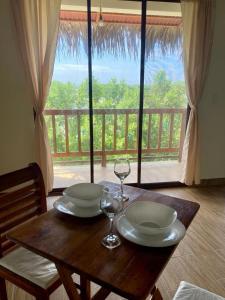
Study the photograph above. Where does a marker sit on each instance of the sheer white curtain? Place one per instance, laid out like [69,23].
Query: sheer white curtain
[198,23]
[37,23]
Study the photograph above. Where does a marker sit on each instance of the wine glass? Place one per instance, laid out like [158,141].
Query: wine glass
[122,170]
[111,204]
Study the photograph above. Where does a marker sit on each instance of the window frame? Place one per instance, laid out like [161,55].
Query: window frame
[58,191]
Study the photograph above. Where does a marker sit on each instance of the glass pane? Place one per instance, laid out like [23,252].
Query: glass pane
[68,102]
[116,75]
[165,99]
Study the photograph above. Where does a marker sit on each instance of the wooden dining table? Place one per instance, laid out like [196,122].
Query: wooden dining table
[74,245]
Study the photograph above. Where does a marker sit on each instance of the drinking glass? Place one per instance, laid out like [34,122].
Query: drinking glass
[122,170]
[111,204]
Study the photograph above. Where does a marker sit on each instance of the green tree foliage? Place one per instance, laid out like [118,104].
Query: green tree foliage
[164,93]
[62,96]
[160,93]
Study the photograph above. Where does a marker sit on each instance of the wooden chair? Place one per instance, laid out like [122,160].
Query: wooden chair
[22,197]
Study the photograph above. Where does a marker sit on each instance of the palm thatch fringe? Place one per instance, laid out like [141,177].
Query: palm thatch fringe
[118,39]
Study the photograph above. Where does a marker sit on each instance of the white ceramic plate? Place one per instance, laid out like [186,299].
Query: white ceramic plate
[176,233]
[65,205]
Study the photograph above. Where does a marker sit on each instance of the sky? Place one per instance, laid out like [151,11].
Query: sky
[71,69]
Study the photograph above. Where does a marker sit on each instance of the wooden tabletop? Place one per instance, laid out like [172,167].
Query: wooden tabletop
[129,270]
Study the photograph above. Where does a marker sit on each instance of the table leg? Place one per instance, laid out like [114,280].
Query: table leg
[157,295]
[69,285]
[85,288]
[3,292]
[101,294]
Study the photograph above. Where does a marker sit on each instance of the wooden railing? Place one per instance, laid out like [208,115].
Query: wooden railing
[168,114]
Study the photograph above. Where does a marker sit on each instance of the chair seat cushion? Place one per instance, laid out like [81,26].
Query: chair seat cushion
[31,266]
[188,291]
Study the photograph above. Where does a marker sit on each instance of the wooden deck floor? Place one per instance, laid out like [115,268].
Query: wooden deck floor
[200,257]
[66,175]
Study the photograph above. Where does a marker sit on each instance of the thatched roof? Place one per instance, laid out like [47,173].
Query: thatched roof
[120,34]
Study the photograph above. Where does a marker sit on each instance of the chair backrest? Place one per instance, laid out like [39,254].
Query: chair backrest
[22,197]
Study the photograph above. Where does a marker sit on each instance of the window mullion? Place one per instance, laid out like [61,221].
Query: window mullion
[90,91]
[142,78]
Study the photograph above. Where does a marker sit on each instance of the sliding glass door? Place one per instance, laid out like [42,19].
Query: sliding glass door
[165,102]
[67,109]
[116,85]
[117,91]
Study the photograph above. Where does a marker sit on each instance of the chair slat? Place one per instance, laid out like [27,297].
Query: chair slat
[7,245]
[16,197]
[19,209]
[3,238]
[15,178]
[19,219]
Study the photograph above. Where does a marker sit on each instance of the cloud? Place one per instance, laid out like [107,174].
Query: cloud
[81,68]
[123,69]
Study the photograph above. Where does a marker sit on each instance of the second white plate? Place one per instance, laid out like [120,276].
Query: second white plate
[173,237]
[65,205]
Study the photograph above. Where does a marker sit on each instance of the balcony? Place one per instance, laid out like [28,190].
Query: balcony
[115,135]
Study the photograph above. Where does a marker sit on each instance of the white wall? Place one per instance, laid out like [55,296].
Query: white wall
[16,117]
[212,107]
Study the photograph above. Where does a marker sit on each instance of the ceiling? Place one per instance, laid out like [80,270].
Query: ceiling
[126,7]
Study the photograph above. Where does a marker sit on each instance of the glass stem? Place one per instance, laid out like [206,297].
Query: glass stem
[121,186]
[111,226]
